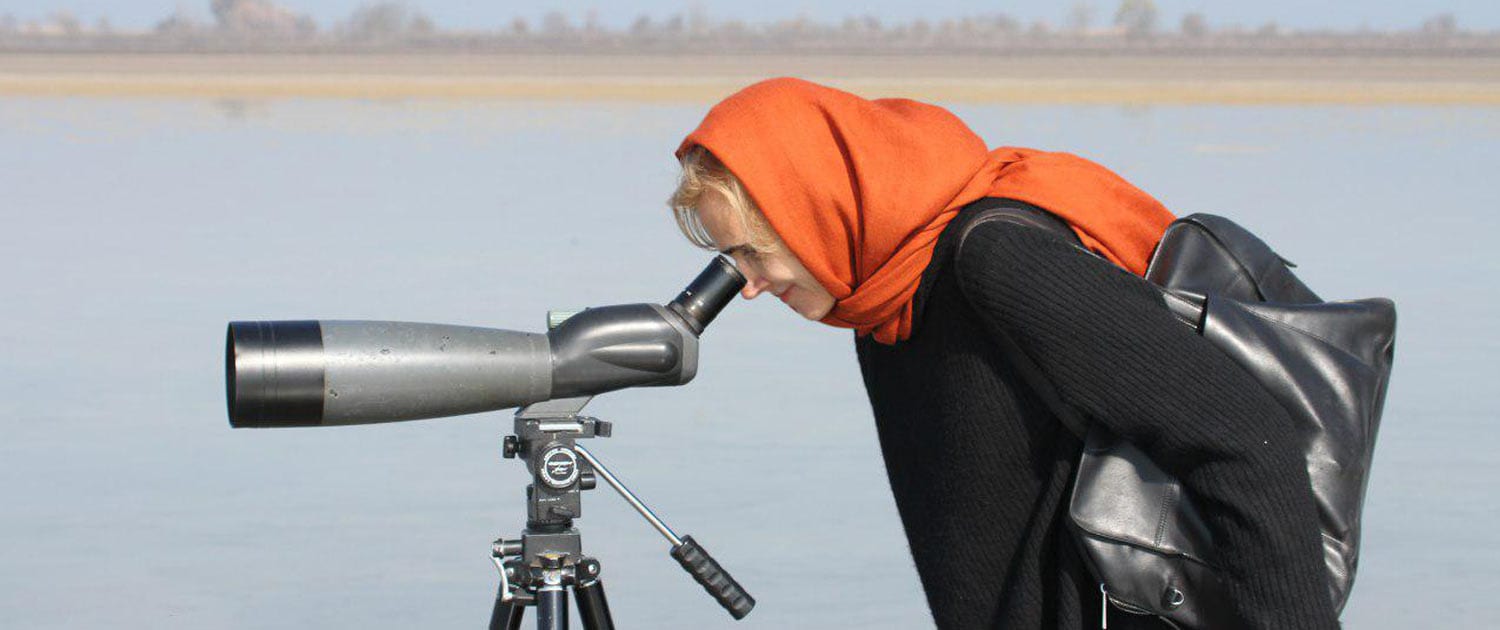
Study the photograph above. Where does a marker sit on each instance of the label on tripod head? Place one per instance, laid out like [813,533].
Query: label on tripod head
[559,467]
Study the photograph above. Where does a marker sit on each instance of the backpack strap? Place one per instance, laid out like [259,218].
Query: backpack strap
[1019,213]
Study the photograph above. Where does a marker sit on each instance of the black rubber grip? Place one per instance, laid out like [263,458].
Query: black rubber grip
[713,577]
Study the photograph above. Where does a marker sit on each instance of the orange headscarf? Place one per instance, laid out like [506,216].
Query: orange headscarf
[860,189]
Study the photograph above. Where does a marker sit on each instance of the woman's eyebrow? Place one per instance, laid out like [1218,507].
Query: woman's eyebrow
[731,250]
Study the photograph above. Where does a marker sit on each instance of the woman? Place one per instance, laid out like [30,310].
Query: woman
[849,211]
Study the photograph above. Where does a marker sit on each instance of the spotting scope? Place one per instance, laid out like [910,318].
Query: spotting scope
[326,372]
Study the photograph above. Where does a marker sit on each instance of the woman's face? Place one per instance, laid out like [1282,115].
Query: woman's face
[777,271]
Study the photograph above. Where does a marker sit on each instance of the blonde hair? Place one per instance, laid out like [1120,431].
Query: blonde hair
[703,173]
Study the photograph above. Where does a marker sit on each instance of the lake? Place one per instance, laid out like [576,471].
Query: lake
[135,229]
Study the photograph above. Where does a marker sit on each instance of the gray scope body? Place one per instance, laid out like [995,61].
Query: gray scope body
[318,373]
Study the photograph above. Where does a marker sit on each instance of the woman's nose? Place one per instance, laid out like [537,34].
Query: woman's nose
[753,286]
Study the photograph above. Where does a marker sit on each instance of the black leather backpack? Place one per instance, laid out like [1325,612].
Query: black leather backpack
[1328,363]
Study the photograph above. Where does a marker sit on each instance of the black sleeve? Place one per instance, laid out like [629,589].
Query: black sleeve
[1105,341]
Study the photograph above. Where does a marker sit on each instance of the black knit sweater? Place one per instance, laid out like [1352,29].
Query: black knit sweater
[981,470]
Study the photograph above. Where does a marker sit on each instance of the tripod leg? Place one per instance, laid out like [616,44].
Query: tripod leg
[593,608]
[507,615]
[551,608]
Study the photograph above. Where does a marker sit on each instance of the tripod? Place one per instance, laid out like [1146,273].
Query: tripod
[547,561]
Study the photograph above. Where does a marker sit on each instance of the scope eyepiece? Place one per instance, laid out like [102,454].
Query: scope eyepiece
[708,294]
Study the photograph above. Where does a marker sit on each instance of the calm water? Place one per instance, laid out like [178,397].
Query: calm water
[133,230]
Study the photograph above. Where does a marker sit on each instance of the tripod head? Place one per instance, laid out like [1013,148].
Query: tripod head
[550,551]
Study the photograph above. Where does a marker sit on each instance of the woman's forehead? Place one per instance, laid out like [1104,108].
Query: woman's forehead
[720,219]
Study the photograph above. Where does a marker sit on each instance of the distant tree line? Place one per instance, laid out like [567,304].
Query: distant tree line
[1134,25]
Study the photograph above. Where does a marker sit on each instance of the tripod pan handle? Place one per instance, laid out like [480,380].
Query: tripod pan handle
[707,572]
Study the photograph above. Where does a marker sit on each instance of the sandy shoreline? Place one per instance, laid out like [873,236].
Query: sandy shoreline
[1072,79]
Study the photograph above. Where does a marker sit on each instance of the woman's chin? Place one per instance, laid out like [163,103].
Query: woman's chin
[815,314]
[812,312]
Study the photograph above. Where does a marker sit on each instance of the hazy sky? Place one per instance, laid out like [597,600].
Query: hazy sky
[1336,14]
